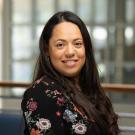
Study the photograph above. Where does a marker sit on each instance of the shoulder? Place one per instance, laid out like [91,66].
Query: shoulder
[42,95]
[44,84]
[43,90]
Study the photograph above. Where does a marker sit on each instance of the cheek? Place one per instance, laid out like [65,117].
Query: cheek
[83,57]
[82,54]
[52,53]
[55,57]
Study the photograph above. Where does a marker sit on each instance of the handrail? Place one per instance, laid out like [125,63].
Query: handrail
[119,87]
[107,87]
[14,84]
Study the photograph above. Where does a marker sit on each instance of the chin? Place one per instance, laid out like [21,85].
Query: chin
[70,75]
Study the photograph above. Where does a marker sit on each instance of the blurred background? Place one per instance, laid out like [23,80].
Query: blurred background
[111,24]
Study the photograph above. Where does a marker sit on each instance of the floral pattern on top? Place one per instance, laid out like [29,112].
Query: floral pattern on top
[31,105]
[43,124]
[79,128]
[47,111]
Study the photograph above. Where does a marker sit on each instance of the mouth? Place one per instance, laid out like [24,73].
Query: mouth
[70,63]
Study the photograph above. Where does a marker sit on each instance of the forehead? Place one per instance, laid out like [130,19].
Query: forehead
[65,30]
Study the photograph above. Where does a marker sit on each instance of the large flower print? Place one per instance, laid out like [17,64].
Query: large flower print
[69,116]
[43,124]
[32,105]
[79,128]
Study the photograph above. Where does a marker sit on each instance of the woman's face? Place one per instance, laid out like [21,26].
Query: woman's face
[66,49]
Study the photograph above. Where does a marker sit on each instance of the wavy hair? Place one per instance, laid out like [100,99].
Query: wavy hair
[91,98]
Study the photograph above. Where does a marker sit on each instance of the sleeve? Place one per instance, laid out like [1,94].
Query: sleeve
[41,113]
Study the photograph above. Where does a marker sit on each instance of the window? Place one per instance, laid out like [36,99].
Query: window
[111,28]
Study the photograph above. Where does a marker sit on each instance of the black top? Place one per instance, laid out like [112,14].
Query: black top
[47,111]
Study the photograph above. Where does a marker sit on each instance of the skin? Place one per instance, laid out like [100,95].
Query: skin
[67,50]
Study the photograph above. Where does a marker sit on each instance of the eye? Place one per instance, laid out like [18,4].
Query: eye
[60,45]
[78,44]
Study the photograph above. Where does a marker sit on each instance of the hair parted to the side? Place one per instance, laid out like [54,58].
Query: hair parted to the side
[92,98]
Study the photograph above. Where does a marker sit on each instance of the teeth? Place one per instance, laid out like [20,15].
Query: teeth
[70,63]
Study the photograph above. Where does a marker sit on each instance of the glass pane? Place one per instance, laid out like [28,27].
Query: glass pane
[22,71]
[39,30]
[129,72]
[85,9]
[101,10]
[66,5]
[129,50]
[129,53]
[18,92]
[21,42]
[107,71]
[100,36]
[130,10]
[111,42]
[123,98]
[129,35]
[11,92]
[102,71]
[45,9]
[1,8]
[21,11]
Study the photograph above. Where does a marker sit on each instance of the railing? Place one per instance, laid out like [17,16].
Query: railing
[106,87]
[125,88]
[13,84]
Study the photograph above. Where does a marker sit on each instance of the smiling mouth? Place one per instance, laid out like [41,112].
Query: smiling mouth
[70,63]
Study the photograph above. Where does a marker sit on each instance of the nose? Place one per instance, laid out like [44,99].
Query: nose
[70,51]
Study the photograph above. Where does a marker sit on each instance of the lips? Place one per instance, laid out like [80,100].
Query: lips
[70,63]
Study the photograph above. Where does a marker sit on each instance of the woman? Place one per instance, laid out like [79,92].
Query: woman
[66,97]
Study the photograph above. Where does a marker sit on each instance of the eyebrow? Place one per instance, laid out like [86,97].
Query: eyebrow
[78,39]
[73,40]
[60,40]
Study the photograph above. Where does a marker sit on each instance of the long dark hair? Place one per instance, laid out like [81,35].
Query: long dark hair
[91,98]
